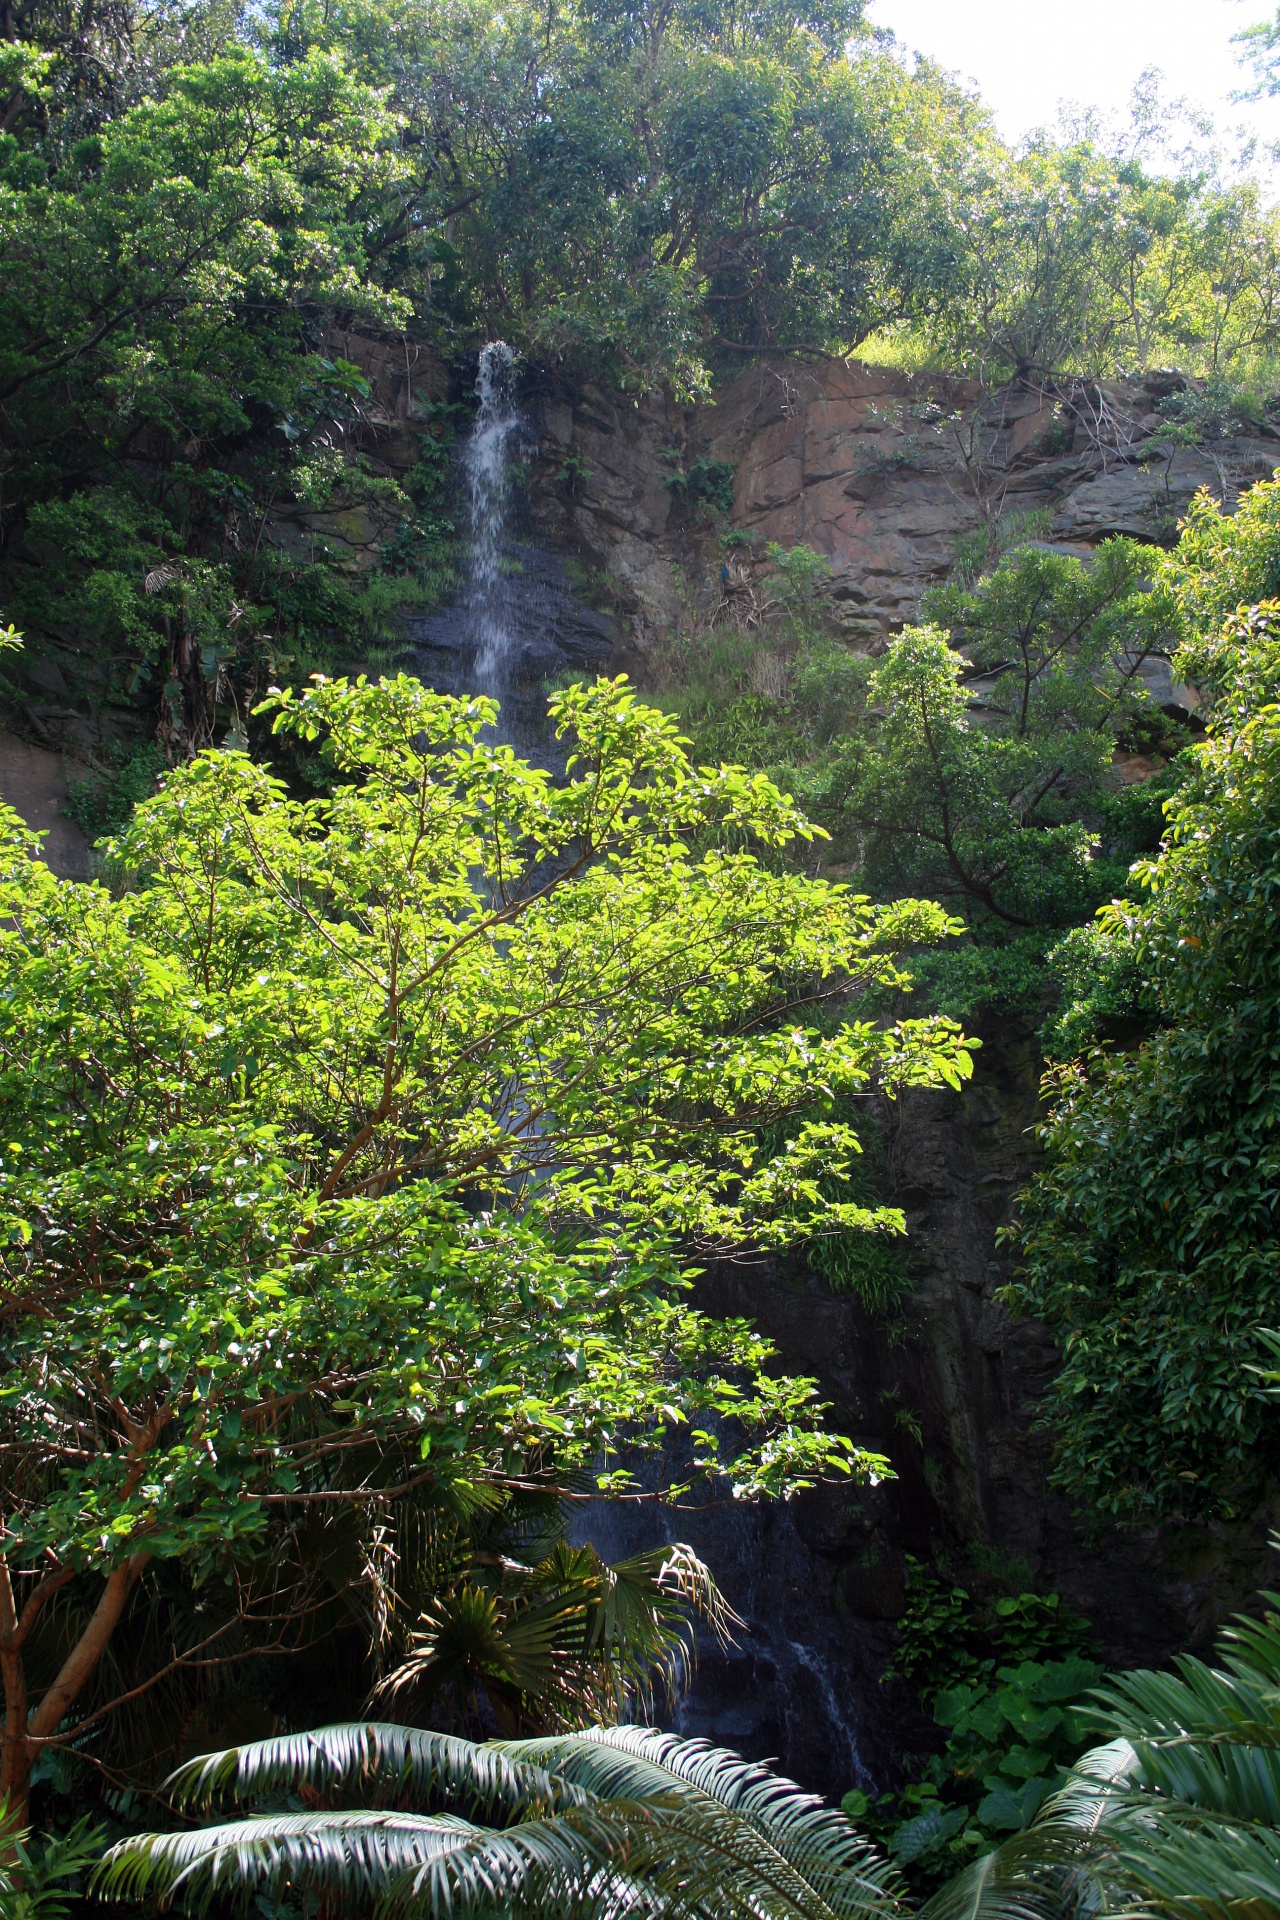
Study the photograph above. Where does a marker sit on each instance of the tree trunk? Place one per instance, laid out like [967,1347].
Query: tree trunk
[17,1755]
[26,1729]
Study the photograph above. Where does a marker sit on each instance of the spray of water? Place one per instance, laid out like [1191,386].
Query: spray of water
[486,464]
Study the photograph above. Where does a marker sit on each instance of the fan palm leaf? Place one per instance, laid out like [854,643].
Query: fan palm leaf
[559,1643]
[340,1852]
[617,1859]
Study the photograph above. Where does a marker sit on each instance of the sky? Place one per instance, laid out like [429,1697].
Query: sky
[1027,55]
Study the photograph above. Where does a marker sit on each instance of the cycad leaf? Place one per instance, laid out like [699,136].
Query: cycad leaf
[600,1861]
[381,1760]
[359,1854]
[639,1763]
[624,1857]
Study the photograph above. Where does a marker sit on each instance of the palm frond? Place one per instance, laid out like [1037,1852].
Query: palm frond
[612,1861]
[1202,1735]
[640,1763]
[1002,1886]
[1187,1865]
[1251,1647]
[623,1857]
[381,1760]
[350,1853]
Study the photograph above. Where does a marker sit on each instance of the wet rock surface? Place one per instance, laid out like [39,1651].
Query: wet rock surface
[551,631]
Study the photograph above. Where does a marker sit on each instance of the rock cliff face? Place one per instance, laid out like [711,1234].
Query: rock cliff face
[883,474]
[880,471]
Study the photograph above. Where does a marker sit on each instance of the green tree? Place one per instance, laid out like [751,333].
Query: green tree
[601,1823]
[974,759]
[165,385]
[987,749]
[361,1144]
[651,191]
[1222,561]
[1072,259]
[1148,1242]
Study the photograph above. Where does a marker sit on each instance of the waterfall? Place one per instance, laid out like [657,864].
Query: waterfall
[518,621]
[495,439]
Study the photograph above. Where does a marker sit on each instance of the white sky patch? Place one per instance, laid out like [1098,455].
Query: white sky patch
[1028,57]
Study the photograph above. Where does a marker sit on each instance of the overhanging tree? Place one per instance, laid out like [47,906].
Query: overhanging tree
[360,1145]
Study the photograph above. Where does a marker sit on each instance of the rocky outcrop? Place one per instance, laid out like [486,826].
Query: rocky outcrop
[33,781]
[881,472]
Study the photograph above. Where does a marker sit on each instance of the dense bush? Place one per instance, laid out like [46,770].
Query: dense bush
[1004,1678]
[1149,1242]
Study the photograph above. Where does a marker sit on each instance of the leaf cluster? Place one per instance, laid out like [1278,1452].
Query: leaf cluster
[1178,1814]
[1000,1677]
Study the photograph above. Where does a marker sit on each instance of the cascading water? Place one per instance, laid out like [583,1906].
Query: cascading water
[798,1683]
[518,623]
[487,459]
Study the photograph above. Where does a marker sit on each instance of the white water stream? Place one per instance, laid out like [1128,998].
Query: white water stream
[487,459]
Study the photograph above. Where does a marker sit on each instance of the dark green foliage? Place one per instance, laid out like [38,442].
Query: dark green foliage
[988,772]
[872,1267]
[46,1879]
[1178,1816]
[169,390]
[706,485]
[494,1619]
[947,1638]
[103,805]
[1149,1242]
[1003,1678]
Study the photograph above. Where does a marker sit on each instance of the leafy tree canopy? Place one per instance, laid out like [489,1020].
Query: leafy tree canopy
[974,760]
[1149,1240]
[362,1143]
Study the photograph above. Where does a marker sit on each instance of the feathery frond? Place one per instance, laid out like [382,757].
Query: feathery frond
[611,1825]
[640,1763]
[380,1759]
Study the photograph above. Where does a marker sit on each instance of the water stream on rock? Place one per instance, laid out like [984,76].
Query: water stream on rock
[517,624]
[495,438]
